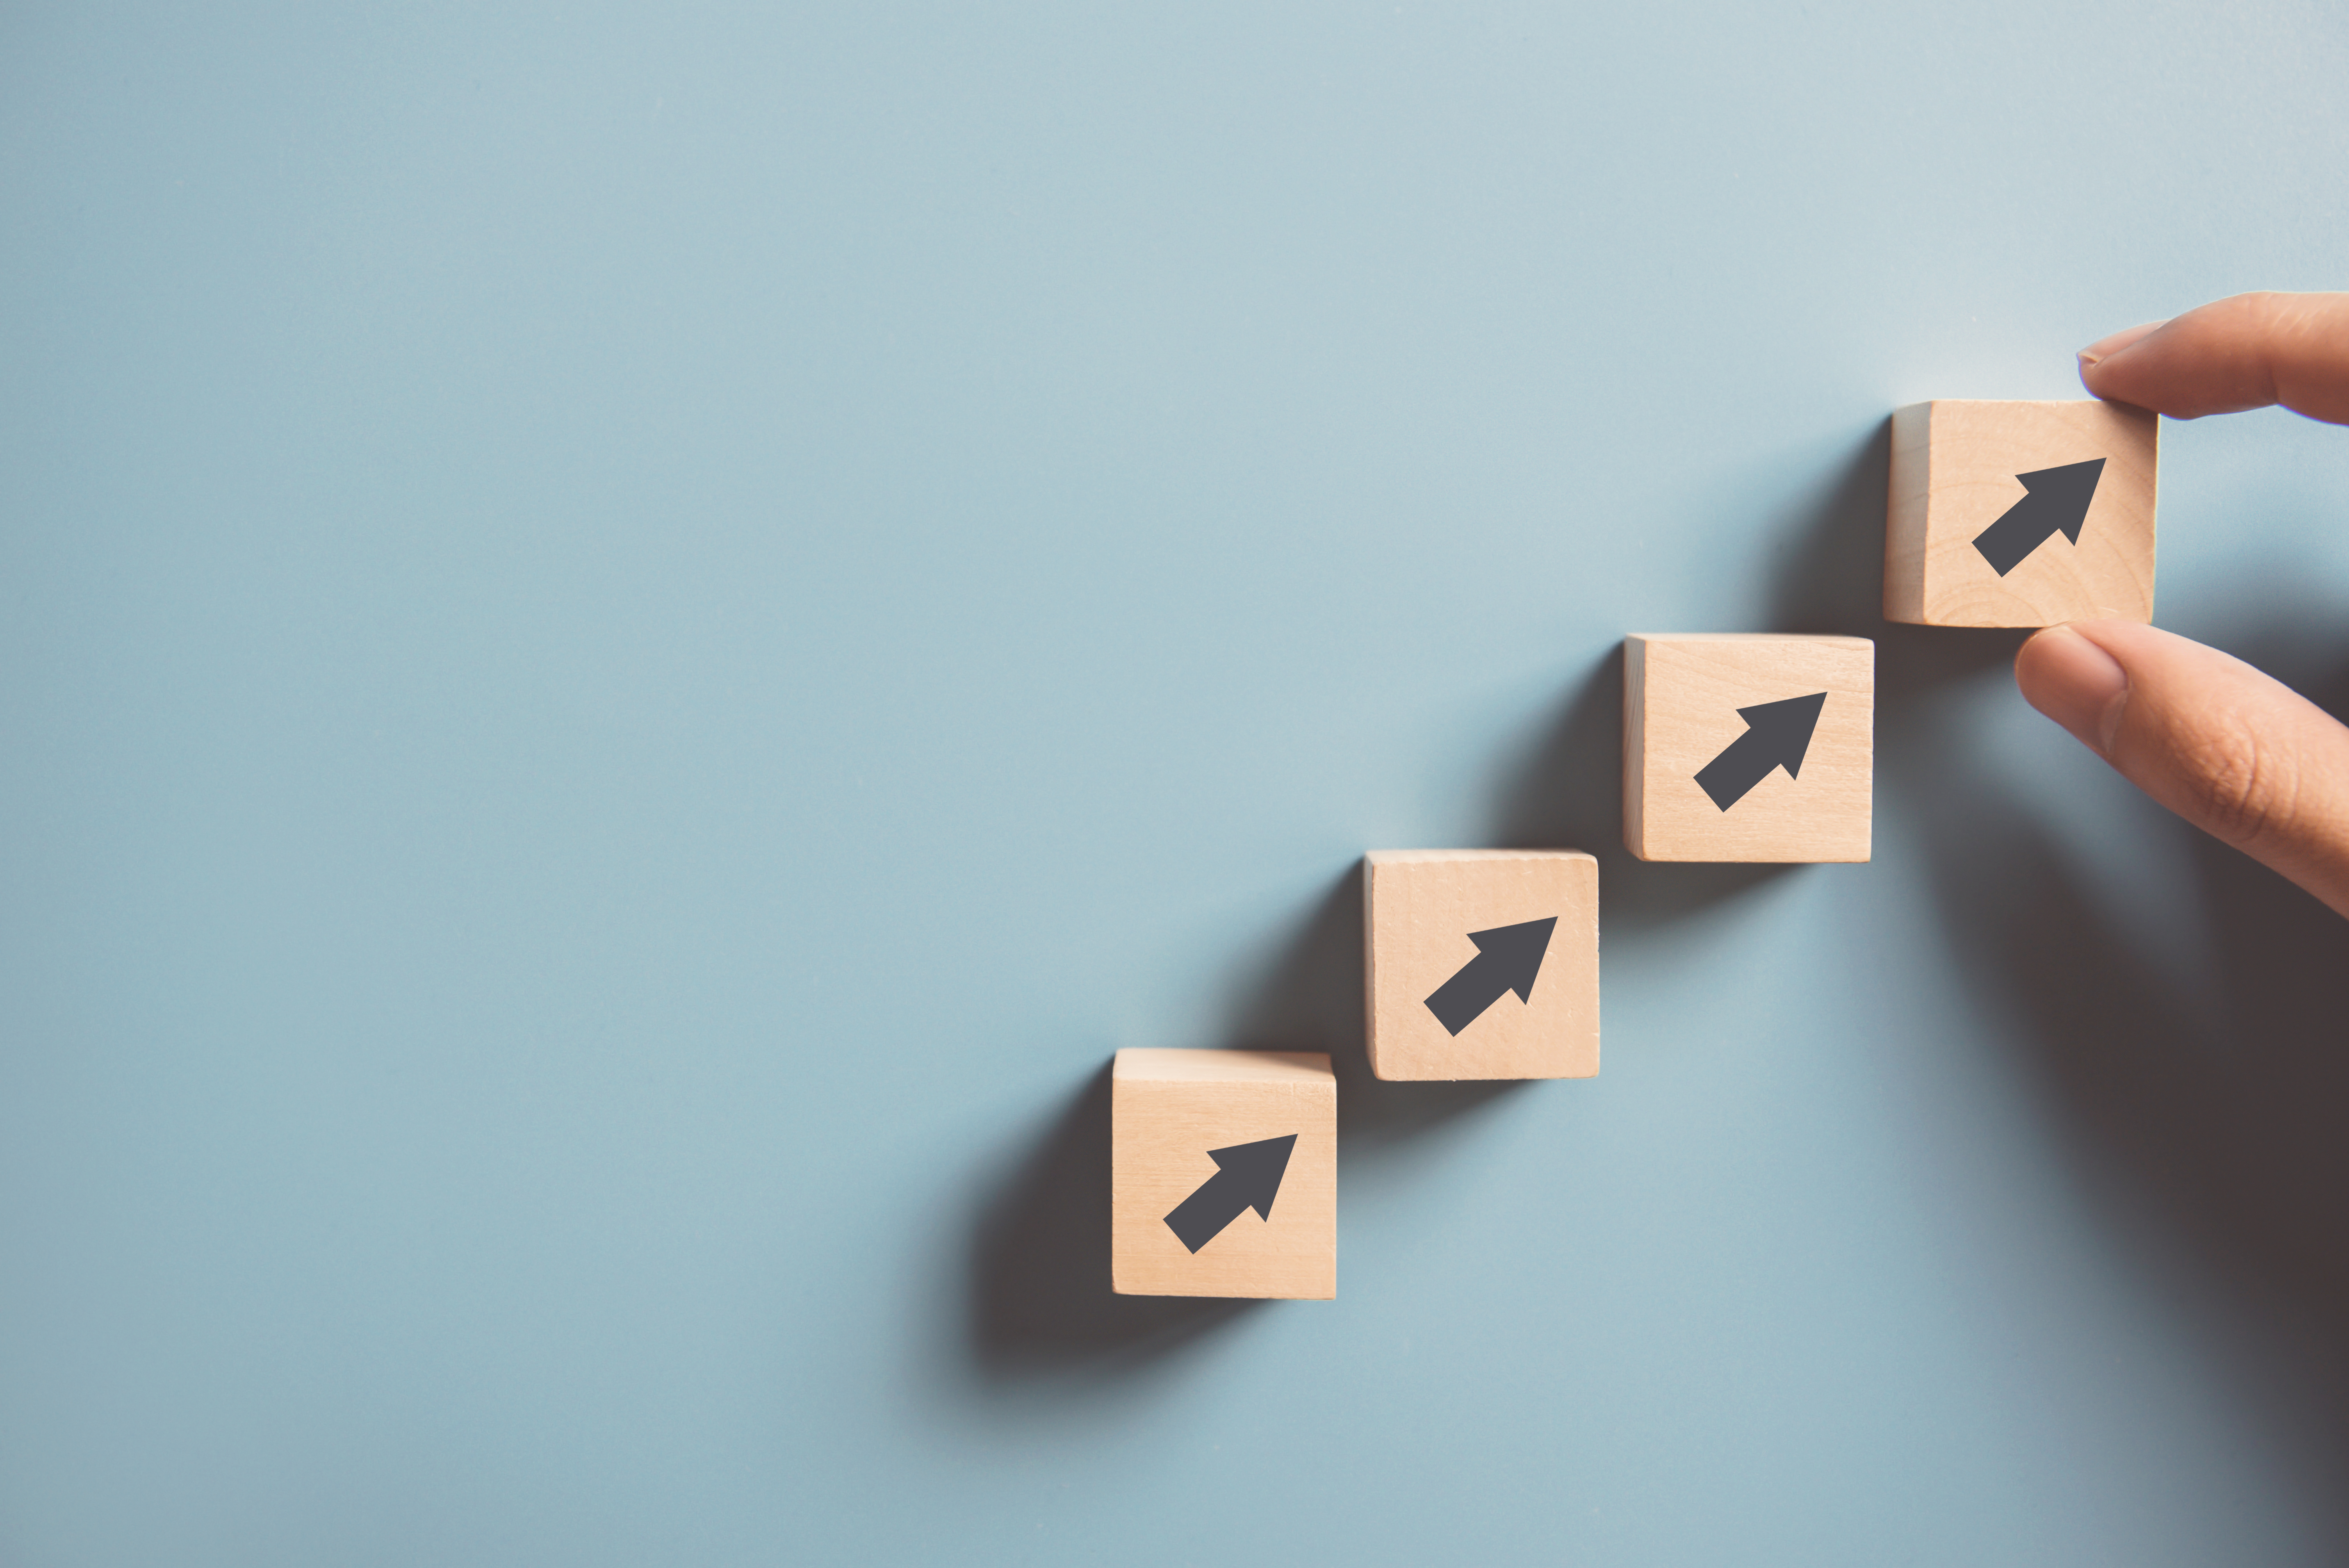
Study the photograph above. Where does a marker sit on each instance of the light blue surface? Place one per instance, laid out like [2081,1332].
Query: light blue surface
[632,641]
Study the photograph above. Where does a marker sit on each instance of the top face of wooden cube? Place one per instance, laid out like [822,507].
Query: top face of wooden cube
[1482,964]
[1310,1068]
[1748,747]
[2020,514]
[1202,1142]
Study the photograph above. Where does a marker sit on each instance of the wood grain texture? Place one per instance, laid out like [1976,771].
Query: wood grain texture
[1953,474]
[1167,1109]
[1681,700]
[1419,906]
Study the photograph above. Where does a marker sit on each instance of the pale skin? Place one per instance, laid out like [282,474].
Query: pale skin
[2234,752]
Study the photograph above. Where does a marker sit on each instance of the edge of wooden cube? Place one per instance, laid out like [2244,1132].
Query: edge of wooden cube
[1635,744]
[1910,484]
[1176,1065]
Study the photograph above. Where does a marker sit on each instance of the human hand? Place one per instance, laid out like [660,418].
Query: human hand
[2233,751]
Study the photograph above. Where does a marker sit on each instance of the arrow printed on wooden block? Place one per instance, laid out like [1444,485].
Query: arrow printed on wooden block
[1247,1177]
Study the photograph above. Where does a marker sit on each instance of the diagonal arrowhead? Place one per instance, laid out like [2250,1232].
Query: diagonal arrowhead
[1517,953]
[2065,493]
[1255,1170]
[1782,730]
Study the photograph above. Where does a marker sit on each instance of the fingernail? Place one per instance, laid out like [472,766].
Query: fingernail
[2103,348]
[2077,684]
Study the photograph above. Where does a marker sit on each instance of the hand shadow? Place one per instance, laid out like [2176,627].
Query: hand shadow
[2219,1115]
[2215,1110]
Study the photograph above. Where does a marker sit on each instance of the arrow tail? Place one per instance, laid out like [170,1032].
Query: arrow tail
[1462,1000]
[1730,776]
[1201,1217]
[2020,529]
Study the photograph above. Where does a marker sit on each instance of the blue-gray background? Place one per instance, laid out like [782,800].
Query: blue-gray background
[632,639]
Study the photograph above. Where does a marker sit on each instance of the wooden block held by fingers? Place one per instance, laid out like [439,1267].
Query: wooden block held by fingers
[1224,1174]
[1748,747]
[1480,964]
[2020,514]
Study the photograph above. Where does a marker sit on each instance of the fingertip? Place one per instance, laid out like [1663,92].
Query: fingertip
[2233,751]
[2071,680]
[2247,351]
[2096,358]
[2103,348]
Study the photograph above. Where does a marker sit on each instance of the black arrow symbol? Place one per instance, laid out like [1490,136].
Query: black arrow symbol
[1777,735]
[1247,1177]
[2056,502]
[1508,959]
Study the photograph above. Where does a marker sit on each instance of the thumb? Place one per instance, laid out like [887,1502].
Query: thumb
[2237,754]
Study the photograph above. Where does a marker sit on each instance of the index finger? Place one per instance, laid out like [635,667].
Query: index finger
[2246,352]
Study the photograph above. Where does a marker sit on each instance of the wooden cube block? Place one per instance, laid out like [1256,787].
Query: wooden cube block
[2020,514]
[1224,1174]
[1748,747]
[1482,964]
